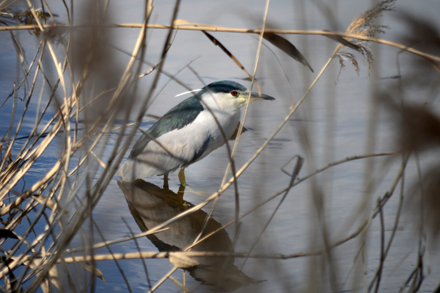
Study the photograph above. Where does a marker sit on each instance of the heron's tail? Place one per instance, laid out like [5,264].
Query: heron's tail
[129,171]
[144,166]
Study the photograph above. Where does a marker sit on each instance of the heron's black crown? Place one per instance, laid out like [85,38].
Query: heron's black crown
[223,86]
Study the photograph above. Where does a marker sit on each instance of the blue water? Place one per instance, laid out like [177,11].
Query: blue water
[294,227]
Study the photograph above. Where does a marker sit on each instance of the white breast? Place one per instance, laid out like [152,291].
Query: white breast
[228,122]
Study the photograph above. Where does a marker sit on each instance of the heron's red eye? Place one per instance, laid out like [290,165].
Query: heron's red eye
[234,93]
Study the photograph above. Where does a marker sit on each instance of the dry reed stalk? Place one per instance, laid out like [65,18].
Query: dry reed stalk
[255,31]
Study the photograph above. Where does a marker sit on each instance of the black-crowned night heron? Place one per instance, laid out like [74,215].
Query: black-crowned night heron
[188,132]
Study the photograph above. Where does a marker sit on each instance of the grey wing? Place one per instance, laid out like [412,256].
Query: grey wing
[140,145]
[178,117]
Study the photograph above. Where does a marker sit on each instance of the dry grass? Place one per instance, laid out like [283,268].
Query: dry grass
[83,92]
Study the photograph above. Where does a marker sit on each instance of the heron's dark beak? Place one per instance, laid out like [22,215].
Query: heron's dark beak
[256,96]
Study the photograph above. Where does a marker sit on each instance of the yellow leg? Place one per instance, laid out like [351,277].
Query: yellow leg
[182,177]
[165,181]
[181,192]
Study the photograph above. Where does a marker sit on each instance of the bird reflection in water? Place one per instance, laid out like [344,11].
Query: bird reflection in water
[151,205]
